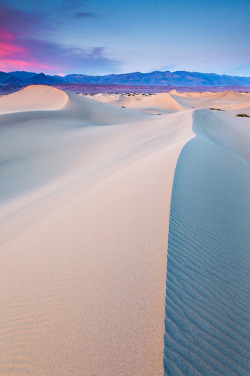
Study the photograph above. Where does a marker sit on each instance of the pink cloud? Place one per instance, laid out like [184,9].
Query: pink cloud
[14,55]
[8,47]
[20,50]
[4,34]
[8,64]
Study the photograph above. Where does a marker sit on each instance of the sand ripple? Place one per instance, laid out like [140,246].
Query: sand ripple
[207,300]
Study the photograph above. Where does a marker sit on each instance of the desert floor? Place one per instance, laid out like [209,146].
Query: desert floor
[103,199]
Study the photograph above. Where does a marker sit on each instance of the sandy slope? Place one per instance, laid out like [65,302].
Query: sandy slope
[84,221]
[85,193]
[156,103]
[33,98]
[207,303]
[228,100]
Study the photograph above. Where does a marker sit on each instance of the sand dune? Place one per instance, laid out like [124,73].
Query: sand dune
[226,101]
[85,195]
[192,94]
[83,283]
[207,310]
[82,108]
[33,98]
[162,102]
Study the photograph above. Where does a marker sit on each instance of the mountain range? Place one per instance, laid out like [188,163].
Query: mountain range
[156,78]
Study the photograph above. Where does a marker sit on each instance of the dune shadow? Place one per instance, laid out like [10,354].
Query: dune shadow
[207,294]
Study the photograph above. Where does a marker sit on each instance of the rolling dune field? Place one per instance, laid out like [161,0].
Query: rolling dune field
[124,234]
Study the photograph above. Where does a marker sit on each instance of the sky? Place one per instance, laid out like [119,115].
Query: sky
[118,36]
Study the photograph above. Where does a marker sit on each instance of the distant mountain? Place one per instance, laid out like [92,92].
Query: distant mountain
[13,80]
[22,75]
[42,79]
[179,78]
[167,80]
[4,76]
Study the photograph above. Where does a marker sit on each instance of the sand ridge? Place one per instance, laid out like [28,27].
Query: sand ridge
[150,103]
[85,200]
[207,310]
[91,183]
[228,100]
[33,98]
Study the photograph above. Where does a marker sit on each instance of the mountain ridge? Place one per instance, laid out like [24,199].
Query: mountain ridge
[155,78]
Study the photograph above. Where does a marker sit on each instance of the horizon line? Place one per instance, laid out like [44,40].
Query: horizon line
[117,74]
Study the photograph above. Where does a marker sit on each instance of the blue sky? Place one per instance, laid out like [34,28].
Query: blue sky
[114,36]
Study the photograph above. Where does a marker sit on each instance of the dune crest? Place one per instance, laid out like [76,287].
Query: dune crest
[85,200]
[85,194]
[228,100]
[206,324]
[33,98]
[96,112]
[150,103]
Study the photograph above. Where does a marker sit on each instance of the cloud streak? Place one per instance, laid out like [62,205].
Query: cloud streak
[85,15]
[20,50]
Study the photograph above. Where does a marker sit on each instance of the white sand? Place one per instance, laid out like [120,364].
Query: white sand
[228,100]
[207,295]
[85,198]
[163,102]
[84,226]
[33,98]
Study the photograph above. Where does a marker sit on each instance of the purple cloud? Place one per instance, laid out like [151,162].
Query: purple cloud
[19,49]
[85,14]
